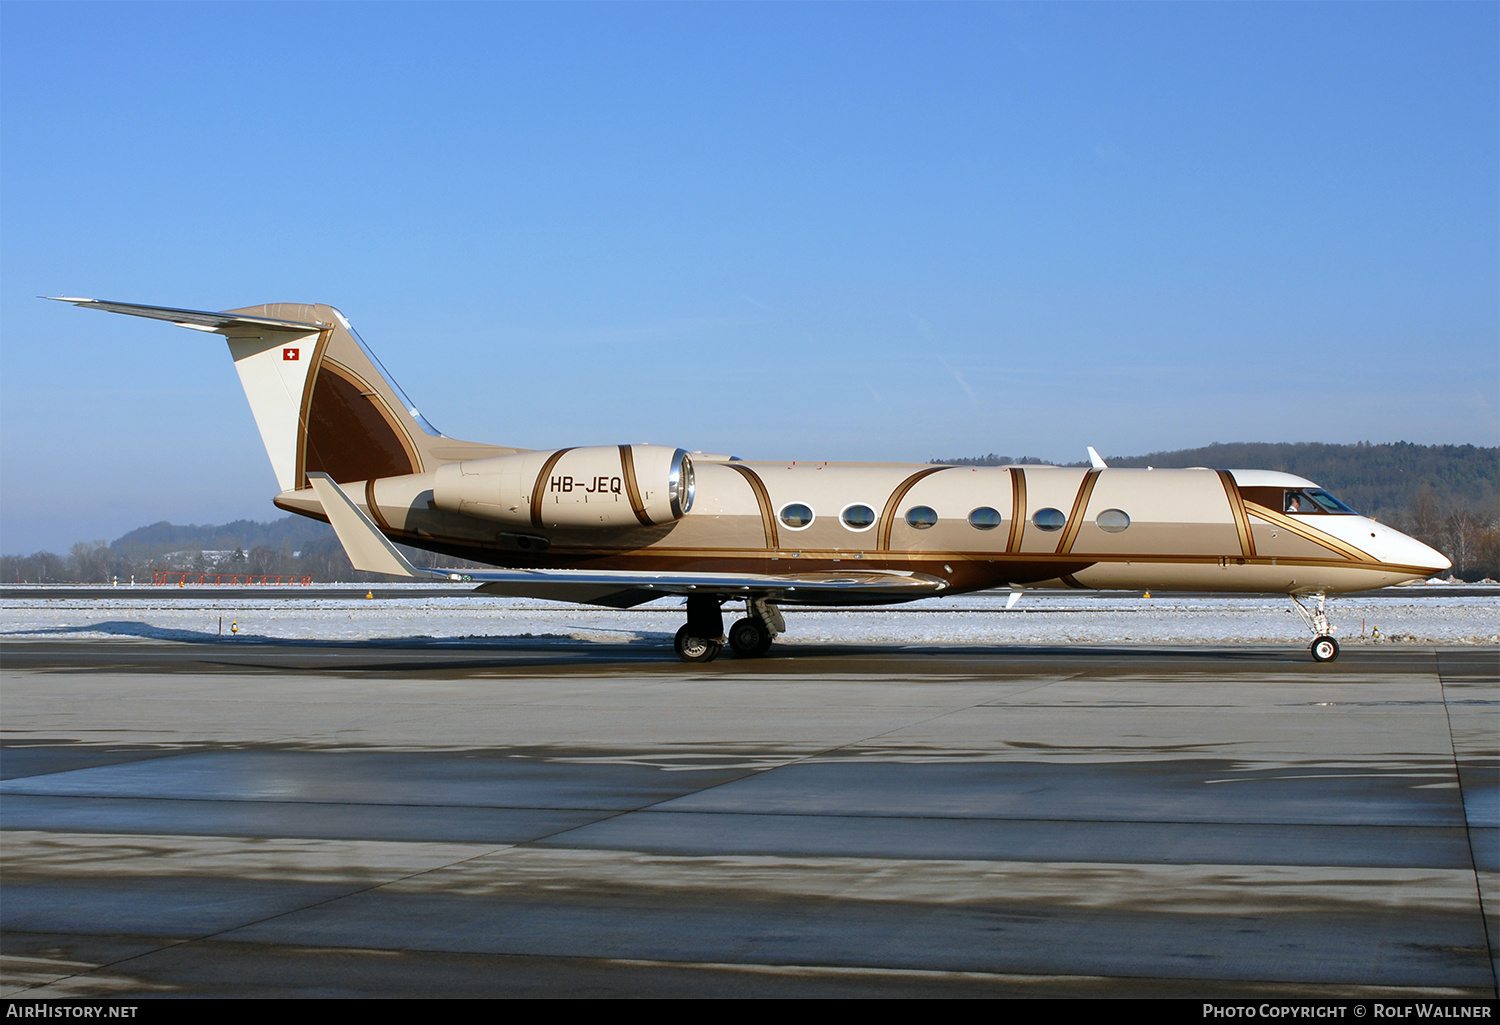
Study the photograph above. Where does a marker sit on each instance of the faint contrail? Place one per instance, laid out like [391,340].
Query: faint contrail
[959,378]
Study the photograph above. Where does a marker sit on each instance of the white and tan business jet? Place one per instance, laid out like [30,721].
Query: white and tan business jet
[619,525]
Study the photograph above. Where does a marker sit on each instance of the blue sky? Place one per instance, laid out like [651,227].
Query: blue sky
[812,231]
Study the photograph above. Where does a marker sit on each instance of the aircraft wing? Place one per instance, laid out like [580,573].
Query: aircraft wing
[371,551]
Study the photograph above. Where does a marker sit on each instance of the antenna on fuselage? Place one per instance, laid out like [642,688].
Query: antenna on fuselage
[1095,461]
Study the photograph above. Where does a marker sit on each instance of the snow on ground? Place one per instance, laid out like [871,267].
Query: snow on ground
[1403,616]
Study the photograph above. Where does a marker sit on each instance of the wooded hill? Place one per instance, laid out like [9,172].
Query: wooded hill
[298,532]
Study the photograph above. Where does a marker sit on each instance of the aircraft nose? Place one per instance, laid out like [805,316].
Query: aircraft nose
[1398,549]
[1414,553]
[1436,561]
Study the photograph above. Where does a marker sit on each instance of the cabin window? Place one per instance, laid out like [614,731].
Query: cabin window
[984,518]
[921,517]
[1049,519]
[1112,521]
[796,516]
[858,517]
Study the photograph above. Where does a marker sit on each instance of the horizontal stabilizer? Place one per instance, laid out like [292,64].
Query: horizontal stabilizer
[368,549]
[201,320]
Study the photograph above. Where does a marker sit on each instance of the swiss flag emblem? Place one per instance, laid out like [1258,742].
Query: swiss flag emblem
[291,355]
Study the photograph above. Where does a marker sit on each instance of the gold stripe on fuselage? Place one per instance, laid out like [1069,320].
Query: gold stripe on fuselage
[1075,517]
[762,499]
[1017,509]
[1237,508]
[888,515]
[627,469]
[1312,534]
[374,509]
[539,489]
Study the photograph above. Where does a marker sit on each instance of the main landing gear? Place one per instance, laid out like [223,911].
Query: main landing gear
[1324,647]
[703,636]
[751,637]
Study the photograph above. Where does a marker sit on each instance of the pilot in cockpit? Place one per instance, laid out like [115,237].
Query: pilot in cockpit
[1314,500]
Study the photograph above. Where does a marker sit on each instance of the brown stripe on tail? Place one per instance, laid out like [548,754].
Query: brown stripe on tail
[350,432]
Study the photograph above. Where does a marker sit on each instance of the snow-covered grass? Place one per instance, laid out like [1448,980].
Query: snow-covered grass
[1400,616]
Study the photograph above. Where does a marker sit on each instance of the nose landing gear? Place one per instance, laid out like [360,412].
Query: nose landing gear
[1324,647]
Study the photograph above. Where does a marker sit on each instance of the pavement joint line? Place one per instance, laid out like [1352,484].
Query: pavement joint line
[836,970]
[271,918]
[540,841]
[1437,659]
[1295,988]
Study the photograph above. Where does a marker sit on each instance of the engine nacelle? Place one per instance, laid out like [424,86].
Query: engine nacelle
[601,486]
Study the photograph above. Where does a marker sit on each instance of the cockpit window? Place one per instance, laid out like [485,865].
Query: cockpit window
[1329,503]
[1314,500]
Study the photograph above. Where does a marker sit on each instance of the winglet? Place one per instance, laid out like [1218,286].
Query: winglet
[1095,461]
[368,549]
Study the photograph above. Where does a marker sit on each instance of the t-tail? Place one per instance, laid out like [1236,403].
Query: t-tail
[321,399]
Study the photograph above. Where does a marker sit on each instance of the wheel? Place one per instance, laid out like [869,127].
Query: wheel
[749,638]
[695,649]
[1325,649]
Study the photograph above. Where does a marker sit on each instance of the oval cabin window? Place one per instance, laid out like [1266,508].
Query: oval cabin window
[858,517]
[984,518]
[1112,521]
[796,515]
[1049,519]
[921,517]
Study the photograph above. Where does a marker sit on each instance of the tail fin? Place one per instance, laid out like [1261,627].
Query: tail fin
[322,402]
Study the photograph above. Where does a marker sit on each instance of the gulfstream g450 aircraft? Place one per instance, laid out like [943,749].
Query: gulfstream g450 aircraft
[619,525]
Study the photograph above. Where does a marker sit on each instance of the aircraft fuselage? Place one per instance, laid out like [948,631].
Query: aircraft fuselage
[975,527]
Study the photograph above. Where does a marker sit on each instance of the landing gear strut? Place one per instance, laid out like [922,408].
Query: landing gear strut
[751,637]
[1324,647]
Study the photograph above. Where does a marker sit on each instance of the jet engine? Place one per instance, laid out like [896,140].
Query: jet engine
[600,486]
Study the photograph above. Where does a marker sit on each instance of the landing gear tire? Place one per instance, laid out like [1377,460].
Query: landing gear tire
[695,649]
[749,638]
[1325,649]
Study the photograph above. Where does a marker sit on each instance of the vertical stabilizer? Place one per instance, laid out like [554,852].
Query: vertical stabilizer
[321,400]
[350,421]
